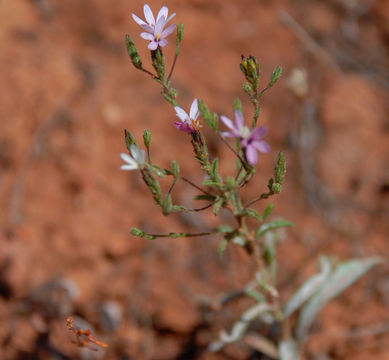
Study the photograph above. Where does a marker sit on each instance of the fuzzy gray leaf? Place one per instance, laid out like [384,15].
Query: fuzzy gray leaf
[344,275]
[309,288]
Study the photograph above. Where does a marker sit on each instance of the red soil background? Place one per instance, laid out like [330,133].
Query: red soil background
[67,92]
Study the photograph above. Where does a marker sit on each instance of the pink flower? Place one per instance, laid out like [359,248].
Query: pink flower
[189,123]
[250,140]
[155,32]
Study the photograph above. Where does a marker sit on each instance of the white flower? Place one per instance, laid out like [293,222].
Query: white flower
[136,161]
[155,28]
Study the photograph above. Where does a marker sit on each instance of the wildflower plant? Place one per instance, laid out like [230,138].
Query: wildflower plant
[294,317]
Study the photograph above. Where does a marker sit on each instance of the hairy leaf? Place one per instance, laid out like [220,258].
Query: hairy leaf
[343,276]
[309,288]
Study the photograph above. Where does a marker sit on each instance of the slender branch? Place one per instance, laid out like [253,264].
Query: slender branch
[233,150]
[201,209]
[195,186]
[150,73]
[262,196]
[263,91]
[179,235]
[172,68]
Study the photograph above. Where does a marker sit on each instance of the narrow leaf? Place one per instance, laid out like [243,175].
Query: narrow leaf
[204,197]
[272,225]
[218,205]
[214,174]
[344,275]
[222,246]
[267,211]
[223,229]
[275,75]
[254,214]
[309,288]
[287,350]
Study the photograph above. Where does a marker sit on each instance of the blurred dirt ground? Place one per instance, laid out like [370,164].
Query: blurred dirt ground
[67,92]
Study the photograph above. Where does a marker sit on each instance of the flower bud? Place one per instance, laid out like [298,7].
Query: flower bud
[147,138]
[133,53]
[250,68]
[137,232]
[180,31]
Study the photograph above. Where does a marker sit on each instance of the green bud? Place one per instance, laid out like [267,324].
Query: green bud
[173,93]
[137,232]
[133,53]
[250,69]
[180,32]
[175,168]
[246,88]
[201,151]
[158,61]
[129,139]
[153,184]
[230,181]
[237,105]
[167,204]
[147,138]
[280,168]
[275,75]
[209,118]
[276,188]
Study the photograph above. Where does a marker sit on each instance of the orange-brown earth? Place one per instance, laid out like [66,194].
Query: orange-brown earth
[67,92]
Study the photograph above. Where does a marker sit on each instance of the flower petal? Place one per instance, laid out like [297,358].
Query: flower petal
[128,167]
[168,31]
[261,146]
[194,110]
[159,26]
[163,12]
[134,151]
[148,14]
[227,122]
[181,114]
[259,132]
[229,134]
[239,120]
[153,45]
[140,157]
[138,20]
[163,42]
[127,158]
[251,154]
[183,126]
[147,36]
[131,163]
[170,17]
[148,28]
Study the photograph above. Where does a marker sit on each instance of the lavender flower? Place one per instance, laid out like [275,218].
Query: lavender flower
[136,161]
[155,28]
[250,140]
[189,123]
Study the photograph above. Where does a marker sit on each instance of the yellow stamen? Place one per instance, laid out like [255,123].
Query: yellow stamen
[158,36]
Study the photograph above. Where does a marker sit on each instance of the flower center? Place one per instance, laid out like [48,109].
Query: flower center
[195,123]
[244,132]
[158,36]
